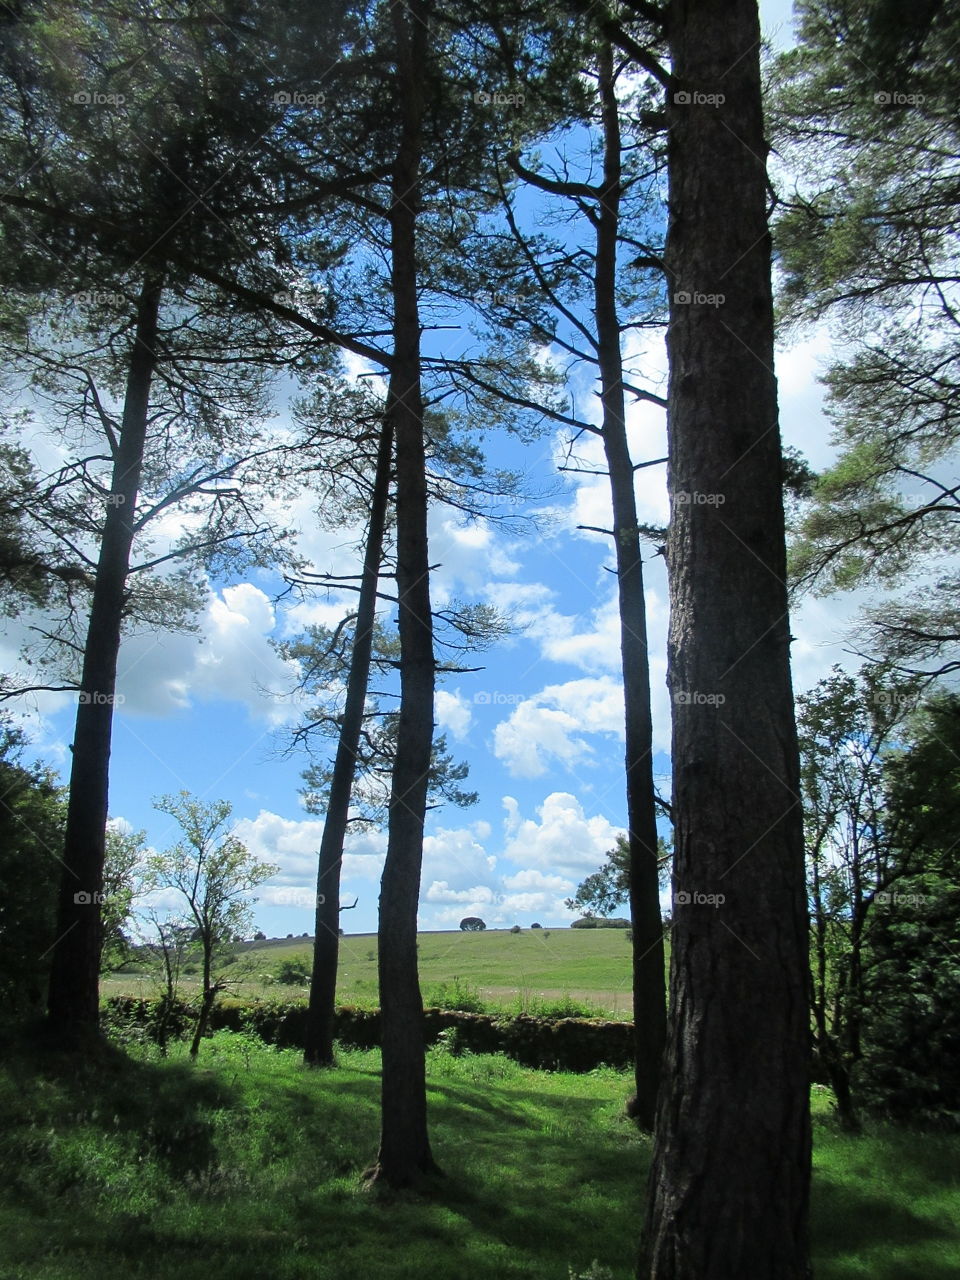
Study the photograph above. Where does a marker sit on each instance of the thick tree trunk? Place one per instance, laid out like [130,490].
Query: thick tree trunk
[649,994]
[318,1049]
[404,1154]
[729,1184]
[74,991]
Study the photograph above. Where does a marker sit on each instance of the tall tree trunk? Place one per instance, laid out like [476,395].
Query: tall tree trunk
[649,994]
[318,1048]
[729,1184]
[404,1153]
[74,991]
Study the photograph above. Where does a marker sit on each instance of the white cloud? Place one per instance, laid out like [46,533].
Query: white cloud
[469,555]
[231,659]
[533,893]
[549,727]
[561,839]
[457,856]
[453,713]
[293,845]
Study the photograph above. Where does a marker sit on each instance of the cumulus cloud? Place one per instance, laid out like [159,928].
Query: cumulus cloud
[293,844]
[453,713]
[532,892]
[561,839]
[458,857]
[230,659]
[549,727]
[468,555]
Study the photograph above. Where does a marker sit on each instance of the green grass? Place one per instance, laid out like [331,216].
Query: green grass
[521,972]
[247,1166]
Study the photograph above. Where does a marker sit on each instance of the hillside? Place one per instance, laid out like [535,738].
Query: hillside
[514,970]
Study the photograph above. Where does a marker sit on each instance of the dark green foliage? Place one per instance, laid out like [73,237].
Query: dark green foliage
[32,813]
[910,1068]
[587,922]
[294,973]
[472,924]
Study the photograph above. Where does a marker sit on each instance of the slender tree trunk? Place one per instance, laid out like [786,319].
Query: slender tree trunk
[206,1001]
[649,993]
[74,991]
[318,1049]
[729,1185]
[404,1154]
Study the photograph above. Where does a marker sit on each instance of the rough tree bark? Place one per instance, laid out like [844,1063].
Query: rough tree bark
[404,1154]
[728,1193]
[318,1048]
[74,990]
[649,994]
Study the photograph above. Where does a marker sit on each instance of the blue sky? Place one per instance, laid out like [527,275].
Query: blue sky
[540,725]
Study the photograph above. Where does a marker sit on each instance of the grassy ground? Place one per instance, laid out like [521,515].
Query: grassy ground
[517,971]
[247,1166]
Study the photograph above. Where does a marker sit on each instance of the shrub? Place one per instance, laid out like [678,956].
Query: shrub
[472,924]
[459,995]
[515,929]
[536,926]
[294,973]
[587,922]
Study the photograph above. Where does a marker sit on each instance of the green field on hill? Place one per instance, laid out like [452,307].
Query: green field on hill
[515,971]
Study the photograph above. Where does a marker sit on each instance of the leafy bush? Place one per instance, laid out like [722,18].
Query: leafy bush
[587,922]
[456,995]
[294,973]
[515,929]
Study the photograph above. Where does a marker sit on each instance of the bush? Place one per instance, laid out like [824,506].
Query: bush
[472,924]
[588,922]
[515,929]
[294,973]
[459,995]
[536,926]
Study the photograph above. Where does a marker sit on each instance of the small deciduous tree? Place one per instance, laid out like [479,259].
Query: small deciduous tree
[215,874]
[472,924]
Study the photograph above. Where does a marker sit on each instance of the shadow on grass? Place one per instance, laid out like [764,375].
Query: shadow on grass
[166,1106]
[854,1220]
